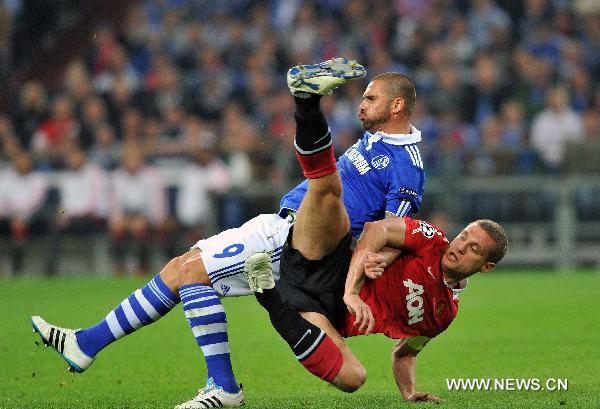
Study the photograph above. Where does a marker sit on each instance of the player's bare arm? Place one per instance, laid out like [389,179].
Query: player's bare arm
[376,235]
[385,238]
[375,263]
[404,364]
[364,316]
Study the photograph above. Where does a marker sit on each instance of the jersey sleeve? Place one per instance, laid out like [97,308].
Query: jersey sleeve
[421,236]
[405,189]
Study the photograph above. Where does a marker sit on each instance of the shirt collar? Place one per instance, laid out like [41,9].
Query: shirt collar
[398,138]
[457,288]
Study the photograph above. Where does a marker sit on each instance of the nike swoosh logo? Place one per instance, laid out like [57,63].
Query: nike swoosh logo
[307,333]
[319,140]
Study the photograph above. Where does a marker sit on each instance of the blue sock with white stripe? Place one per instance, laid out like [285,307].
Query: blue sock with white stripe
[143,307]
[206,316]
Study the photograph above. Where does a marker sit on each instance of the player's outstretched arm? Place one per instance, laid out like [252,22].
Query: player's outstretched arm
[376,263]
[376,236]
[387,233]
[404,365]
[385,237]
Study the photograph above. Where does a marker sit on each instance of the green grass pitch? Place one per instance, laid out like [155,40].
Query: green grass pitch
[511,324]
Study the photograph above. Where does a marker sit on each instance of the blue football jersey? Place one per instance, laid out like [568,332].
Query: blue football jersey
[380,173]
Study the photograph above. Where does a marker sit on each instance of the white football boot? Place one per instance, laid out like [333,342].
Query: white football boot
[259,271]
[324,77]
[213,396]
[63,341]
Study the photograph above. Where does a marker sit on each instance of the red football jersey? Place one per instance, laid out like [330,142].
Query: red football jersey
[411,297]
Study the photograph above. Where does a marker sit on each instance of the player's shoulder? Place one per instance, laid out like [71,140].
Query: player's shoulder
[416,227]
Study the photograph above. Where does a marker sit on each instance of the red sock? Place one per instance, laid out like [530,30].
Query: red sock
[318,164]
[325,361]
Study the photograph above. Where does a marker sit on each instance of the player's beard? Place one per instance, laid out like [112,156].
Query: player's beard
[372,125]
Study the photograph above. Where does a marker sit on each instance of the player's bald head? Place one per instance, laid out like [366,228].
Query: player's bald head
[397,85]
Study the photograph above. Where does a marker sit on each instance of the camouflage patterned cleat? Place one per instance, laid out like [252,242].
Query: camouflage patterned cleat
[324,77]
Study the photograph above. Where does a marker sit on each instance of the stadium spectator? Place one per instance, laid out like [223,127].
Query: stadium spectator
[9,142]
[79,87]
[200,179]
[93,116]
[131,127]
[170,146]
[106,150]
[449,93]
[514,128]
[459,43]
[137,209]
[583,156]
[23,192]
[56,135]
[581,89]
[31,112]
[490,157]
[83,205]
[554,127]
[487,92]
[210,85]
[486,18]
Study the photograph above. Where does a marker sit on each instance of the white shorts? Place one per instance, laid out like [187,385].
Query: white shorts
[224,254]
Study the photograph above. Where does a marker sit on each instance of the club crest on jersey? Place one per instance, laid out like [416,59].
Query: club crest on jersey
[380,162]
[441,306]
[426,229]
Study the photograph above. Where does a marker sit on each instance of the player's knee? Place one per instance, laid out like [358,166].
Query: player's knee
[192,271]
[353,377]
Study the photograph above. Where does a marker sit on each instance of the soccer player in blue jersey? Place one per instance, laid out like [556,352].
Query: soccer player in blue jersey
[382,176]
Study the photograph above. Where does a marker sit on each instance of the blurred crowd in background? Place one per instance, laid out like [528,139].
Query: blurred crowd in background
[185,103]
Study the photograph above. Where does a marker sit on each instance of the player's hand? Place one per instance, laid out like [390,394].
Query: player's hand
[374,264]
[423,397]
[364,316]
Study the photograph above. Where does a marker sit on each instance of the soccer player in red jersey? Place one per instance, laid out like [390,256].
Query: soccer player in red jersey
[327,292]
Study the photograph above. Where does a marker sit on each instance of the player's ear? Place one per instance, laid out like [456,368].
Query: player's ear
[487,267]
[397,105]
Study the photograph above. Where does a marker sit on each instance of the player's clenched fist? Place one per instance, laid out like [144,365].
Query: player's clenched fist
[374,264]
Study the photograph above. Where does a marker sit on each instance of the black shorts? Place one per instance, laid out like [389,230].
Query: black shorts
[315,285]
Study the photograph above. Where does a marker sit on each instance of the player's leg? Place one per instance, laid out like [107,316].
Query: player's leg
[320,227]
[207,319]
[143,307]
[321,222]
[353,374]
[313,340]
[223,258]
